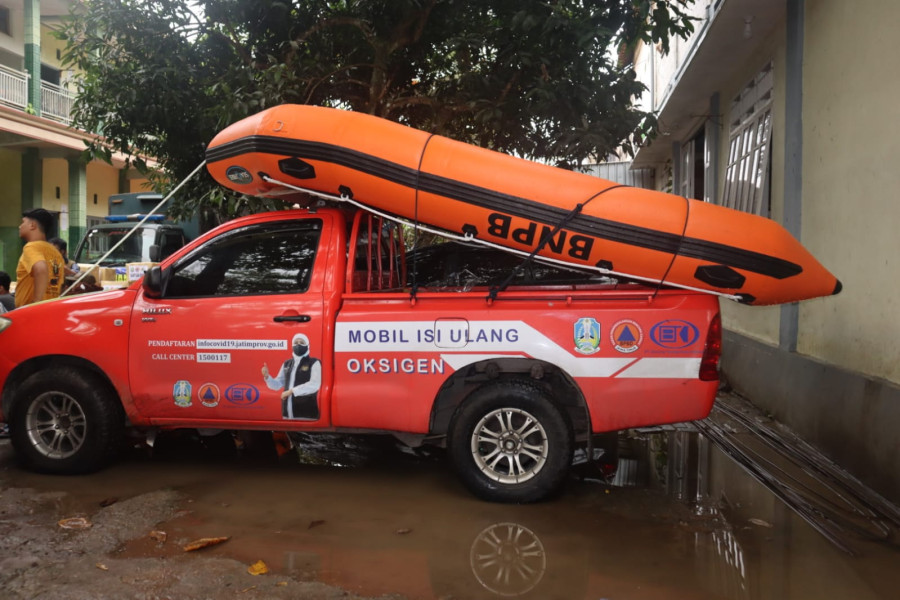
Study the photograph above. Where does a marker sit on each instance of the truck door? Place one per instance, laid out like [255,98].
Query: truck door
[237,334]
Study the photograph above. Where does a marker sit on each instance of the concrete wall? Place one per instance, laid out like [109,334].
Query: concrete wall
[840,389]
[851,216]
[102,182]
[10,210]
[14,42]
[852,418]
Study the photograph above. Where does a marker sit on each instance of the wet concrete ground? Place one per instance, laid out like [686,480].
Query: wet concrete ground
[684,515]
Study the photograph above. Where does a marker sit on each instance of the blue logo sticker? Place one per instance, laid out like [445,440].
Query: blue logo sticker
[587,336]
[181,392]
[242,394]
[674,334]
[238,175]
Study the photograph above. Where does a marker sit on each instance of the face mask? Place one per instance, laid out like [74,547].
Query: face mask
[300,350]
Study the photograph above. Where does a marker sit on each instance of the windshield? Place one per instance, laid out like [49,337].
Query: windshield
[99,240]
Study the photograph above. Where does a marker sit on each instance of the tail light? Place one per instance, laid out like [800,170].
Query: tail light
[709,365]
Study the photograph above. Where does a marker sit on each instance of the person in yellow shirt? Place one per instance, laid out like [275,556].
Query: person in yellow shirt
[39,274]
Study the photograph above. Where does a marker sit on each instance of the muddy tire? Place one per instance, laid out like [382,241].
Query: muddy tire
[510,443]
[65,421]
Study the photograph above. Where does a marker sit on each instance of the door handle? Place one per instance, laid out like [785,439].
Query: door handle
[297,318]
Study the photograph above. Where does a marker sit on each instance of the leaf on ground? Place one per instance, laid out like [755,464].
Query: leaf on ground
[258,568]
[204,543]
[316,523]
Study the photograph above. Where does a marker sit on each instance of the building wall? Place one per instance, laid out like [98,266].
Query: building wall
[14,42]
[840,388]
[50,47]
[55,184]
[851,217]
[10,210]
[103,182]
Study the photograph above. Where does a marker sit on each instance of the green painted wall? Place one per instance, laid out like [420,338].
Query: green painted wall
[10,210]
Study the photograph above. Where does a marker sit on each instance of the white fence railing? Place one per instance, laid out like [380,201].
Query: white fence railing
[13,87]
[56,101]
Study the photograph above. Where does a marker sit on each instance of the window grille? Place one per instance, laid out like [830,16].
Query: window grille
[749,143]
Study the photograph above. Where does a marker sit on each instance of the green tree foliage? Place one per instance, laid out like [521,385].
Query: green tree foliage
[529,77]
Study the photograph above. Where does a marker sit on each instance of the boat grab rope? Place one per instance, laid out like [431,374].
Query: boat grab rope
[135,228]
[545,239]
[415,283]
[687,216]
[470,239]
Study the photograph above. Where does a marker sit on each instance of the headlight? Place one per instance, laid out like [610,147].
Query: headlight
[4,323]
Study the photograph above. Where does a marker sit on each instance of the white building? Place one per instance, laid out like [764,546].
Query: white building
[788,109]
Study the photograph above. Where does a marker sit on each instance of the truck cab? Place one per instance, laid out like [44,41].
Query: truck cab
[99,239]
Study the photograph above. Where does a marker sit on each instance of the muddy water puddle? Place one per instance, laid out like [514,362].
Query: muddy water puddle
[673,517]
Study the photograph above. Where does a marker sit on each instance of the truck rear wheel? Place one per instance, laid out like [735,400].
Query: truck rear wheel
[64,421]
[510,443]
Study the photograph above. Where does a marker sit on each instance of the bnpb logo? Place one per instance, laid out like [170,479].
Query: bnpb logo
[674,334]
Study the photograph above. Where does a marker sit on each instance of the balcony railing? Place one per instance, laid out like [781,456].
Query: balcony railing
[13,87]
[56,101]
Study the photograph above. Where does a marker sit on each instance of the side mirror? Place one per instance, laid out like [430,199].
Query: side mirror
[155,253]
[152,283]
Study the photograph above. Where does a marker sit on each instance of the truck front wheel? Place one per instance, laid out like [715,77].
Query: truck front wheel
[510,443]
[64,421]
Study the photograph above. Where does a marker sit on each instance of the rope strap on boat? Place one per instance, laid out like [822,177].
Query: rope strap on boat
[545,239]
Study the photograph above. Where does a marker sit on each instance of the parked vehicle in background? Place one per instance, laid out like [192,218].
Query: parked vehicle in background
[126,211]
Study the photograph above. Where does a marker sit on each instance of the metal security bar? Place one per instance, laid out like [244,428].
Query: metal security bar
[750,136]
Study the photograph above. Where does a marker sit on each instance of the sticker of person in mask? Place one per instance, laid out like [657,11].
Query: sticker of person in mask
[300,377]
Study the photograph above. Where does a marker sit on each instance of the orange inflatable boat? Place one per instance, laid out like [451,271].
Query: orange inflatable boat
[519,204]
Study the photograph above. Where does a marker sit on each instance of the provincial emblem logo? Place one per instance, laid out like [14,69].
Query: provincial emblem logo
[587,336]
[181,392]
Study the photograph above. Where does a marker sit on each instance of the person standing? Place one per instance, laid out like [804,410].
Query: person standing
[71,267]
[39,274]
[6,299]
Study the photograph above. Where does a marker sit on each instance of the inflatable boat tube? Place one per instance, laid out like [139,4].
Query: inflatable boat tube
[519,204]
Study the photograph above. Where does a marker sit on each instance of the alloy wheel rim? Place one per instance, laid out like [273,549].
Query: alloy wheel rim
[56,425]
[509,445]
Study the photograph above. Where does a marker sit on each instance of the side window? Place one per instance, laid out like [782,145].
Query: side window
[272,259]
[169,242]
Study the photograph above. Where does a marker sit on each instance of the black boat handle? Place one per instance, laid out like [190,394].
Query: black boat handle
[298,318]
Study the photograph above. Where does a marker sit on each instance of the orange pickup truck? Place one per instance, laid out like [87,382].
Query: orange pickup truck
[305,320]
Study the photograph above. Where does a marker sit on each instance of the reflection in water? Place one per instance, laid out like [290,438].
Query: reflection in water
[508,559]
[679,518]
